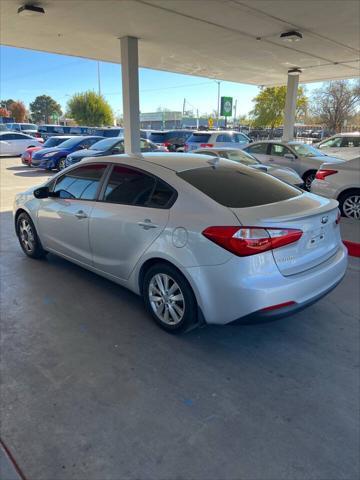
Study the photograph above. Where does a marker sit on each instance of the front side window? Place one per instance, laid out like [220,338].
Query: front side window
[80,183]
[258,148]
[128,186]
[278,150]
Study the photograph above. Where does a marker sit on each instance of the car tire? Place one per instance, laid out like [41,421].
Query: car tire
[308,178]
[349,203]
[28,237]
[169,299]
[61,164]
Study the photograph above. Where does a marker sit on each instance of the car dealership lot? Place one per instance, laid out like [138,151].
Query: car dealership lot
[92,389]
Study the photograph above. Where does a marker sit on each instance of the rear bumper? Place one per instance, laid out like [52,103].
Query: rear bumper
[246,286]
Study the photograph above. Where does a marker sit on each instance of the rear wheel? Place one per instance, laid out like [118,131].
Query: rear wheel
[169,298]
[350,204]
[28,238]
[308,179]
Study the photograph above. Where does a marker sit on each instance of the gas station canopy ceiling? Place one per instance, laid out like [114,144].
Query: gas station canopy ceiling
[235,40]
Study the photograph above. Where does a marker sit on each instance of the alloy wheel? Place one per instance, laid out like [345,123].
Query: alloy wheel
[308,181]
[166,299]
[62,164]
[351,207]
[27,237]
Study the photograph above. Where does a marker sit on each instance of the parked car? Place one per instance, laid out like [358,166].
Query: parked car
[27,128]
[303,158]
[107,146]
[342,145]
[220,138]
[287,175]
[197,241]
[341,182]
[12,143]
[171,139]
[26,157]
[47,131]
[54,157]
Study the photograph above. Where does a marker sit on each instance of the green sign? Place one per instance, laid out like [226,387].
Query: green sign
[226,107]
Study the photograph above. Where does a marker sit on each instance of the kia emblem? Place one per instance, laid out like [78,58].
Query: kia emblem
[324,219]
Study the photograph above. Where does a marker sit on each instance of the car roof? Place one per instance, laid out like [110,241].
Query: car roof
[177,162]
[346,134]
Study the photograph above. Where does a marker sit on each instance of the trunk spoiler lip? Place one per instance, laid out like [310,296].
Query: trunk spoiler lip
[326,206]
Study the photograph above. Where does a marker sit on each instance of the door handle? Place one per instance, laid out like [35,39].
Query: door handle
[147,224]
[81,214]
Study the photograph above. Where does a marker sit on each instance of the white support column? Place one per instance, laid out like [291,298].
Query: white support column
[290,106]
[130,91]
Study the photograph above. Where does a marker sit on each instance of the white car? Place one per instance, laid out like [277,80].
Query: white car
[342,145]
[235,155]
[27,128]
[304,159]
[218,138]
[12,143]
[201,239]
[341,182]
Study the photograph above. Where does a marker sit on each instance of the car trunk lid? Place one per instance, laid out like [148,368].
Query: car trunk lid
[316,217]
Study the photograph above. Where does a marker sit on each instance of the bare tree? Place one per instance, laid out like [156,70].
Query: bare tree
[335,102]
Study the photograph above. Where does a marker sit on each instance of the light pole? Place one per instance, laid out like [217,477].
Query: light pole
[218,104]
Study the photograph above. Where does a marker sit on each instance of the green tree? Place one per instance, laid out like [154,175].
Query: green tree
[43,108]
[336,102]
[269,106]
[91,109]
[17,111]
[6,103]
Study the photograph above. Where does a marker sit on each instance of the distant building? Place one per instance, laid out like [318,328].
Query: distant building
[171,120]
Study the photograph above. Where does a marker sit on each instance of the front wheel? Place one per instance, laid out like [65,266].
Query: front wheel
[308,179]
[28,238]
[350,204]
[169,298]
[61,164]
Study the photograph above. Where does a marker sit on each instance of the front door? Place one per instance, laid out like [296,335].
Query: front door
[63,221]
[131,214]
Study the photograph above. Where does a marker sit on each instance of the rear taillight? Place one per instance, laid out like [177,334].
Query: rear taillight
[322,174]
[244,241]
[206,145]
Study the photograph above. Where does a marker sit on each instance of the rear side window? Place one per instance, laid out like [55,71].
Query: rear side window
[201,138]
[128,186]
[238,187]
[260,148]
[81,183]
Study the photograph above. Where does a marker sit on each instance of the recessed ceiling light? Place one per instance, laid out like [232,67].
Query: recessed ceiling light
[294,71]
[30,10]
[292,36]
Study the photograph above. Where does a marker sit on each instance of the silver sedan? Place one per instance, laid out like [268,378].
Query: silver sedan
[287,175]
[202,241]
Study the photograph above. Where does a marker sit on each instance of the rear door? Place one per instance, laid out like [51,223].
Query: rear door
[260,151]
[132,212]
[224,140]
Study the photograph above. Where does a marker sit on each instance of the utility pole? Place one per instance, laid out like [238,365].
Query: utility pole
[98,77]
[218,105]
[184,103]
[197,119]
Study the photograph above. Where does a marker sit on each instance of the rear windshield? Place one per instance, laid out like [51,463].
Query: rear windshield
[199,138]
[239,187]
[54,141]
[103,145]
[158,137]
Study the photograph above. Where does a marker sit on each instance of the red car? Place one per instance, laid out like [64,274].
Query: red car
[26,157]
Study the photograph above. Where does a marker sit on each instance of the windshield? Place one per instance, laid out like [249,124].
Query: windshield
[304,150]
[72,142]
[103,145]
[239,156]
[332,142]
[28,126]
[54,142]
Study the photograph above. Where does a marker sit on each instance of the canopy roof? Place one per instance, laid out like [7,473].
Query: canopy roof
[236,40]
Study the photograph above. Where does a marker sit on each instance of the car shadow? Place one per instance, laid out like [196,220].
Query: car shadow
[34,173]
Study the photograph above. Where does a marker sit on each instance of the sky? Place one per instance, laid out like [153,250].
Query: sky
[25,74]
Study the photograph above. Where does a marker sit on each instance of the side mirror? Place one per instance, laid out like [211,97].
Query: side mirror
[42,192]
[289,156]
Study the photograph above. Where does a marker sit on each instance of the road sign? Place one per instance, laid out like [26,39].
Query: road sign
[226,106]
[210,123]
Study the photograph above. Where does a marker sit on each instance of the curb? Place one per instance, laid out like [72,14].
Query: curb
[353,248]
